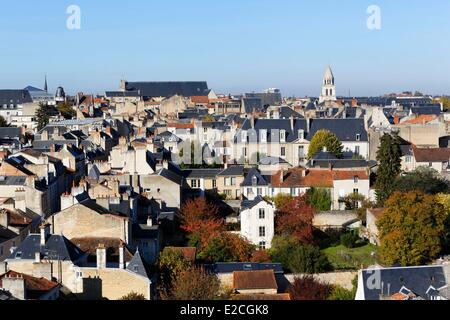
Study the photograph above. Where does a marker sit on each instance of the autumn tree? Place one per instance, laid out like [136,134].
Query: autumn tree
[389,167]
[171,262]
[322,139]
[411,229]
[3,122]
[261,256]
[227,247]
[308,288]
[66,110]
[295,219]
[193,284]
[200,219]
[280,199]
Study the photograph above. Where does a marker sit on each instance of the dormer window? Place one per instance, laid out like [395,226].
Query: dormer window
[283,136]
[254,180]
[356,179]
[263,136]
[358,137]
[301,134]
[244,136]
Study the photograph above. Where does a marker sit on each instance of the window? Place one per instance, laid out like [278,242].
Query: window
[408,159]
[262,214]
[262,231]
[228,193]
[356,191]
[259,191]
[357,149]
[254,180]
[263,137]
[262,245]
[195,183]
[214,183]
[244,151]
[282,136]
[301,152]
[283,151]
[358,137]
[356,179]
[430,164]
[233,181]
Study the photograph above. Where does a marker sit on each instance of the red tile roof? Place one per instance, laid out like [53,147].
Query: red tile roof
[35,286]
[200,99]
[431,154]
[422,119]
[181,125]
[260,279]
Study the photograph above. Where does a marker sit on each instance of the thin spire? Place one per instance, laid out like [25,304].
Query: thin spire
[45,84]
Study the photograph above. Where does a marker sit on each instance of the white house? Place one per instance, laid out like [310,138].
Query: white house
[258,222]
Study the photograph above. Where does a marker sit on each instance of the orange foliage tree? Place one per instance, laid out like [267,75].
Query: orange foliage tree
[295,219]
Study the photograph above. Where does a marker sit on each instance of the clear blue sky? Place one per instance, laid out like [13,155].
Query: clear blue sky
[235,45]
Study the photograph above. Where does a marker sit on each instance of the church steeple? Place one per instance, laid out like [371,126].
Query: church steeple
[45,84]
[328,87]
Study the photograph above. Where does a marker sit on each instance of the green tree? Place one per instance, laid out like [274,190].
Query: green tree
[360,204]
[171,262]
[281,199]
[319,199]
[66,110]
[133,296]
[423,179]
[389,167]
[43,114]
[3,122]
[325,138]
[412,228]
[445,101]
[227,248]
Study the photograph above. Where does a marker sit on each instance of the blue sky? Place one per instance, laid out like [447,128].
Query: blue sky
[235,45]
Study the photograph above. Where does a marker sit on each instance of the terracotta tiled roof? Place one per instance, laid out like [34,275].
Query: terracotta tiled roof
[35,286]
[431,155]
[260,279]
[424,118]
[181,125]
[349,175]
[90,245]
[200,99]
[16,219]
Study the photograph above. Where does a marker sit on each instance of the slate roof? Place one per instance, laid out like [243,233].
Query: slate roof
[172,176]
[248,204]
[56,247]
[138,265]
[201,173]
[344,129]
[121,94]
[253,104]
[261,180]
[272,161]
[169,89]
[417,279]
[10,132]
[15,97]
[427,110]
[232,171]
[224,267]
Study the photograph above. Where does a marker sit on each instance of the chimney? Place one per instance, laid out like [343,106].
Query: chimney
[4,218]
[16,286]
[37,257]
[292,122]
[252,121]
[122,256]
[281,176]
[150,221]
[304,173]
[45,232]
[101,256]
[308,125]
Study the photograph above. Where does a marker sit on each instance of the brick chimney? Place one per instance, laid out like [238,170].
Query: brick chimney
[101,256]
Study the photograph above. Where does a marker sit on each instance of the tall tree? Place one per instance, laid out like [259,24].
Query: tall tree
[319,198]
[43,114]
[66,110]
[227,248]
[325,138]
[295,219]
[389,167]
[423,179]
[194,284]
[412,228]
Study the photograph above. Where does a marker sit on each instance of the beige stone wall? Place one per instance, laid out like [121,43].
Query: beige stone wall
[115,283]
[80,221]
[234,189]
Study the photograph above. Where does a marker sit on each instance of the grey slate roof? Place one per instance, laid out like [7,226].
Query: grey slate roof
[248,204]
[344,129]
[201,173]
[260,180]
[138,265]
[416,279]
[14,97]
[94,173]
[253,104]
[10,132]
[271,161]
[232,171]
[169,89]
[56,247]
[120,94]
[427,110]
[242,266]
[172,176]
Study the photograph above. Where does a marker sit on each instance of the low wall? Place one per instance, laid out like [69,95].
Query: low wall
[343,279]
